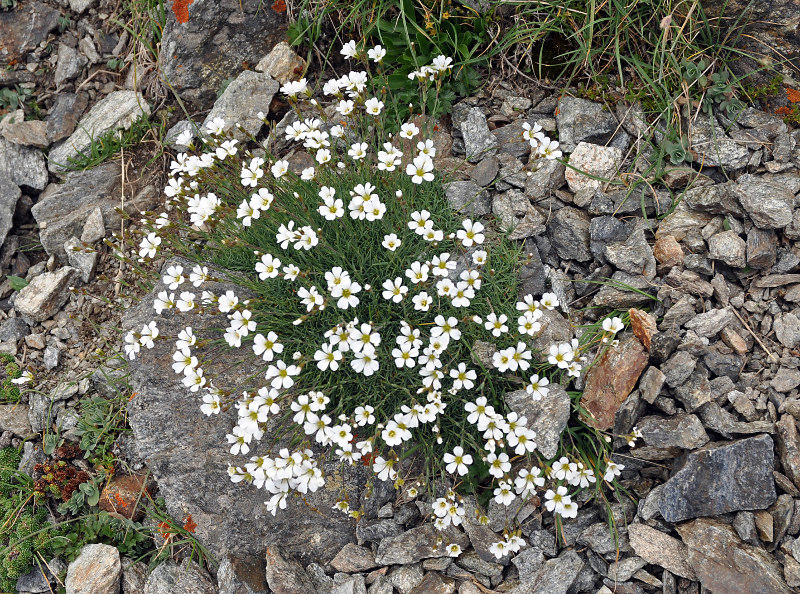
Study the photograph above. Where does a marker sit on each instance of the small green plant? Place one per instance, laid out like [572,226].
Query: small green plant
[130,538]
[9,392]
[64,23]
[17,283]
[115,64]
[13,98]
[8,4]
[678,151]
[100,421]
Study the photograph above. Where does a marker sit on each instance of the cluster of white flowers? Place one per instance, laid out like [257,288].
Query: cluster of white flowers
[449,276]
[543,147]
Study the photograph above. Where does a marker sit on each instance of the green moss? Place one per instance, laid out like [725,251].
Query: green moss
[9,392]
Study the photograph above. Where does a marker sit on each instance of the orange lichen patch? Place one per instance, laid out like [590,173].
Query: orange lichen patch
[279,6]
[793,95]
[122,494]
[190,524]
[784,111]
[181,10]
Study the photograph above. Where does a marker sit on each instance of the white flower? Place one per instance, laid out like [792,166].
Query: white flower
[364,416]
[365,361]
[560,355]
[185,302]
[529,133]
[549,301]
[323,156]
[409,130]
[420,169]
[504,494]
[479,257]
[345,107]
[290,272]
[173,277]
[226,149]
[261,200]
[268,267]
[422,301]
[496,324]
[149,246]
[281,375]
[458,461]
[24,378]
[538,387]
[163,301]
[463,378]
[349,50]
[446,327]
[358,151]
[184,138]
[376,54]
[394,290]
[442,63]
[307,174]
[280,168]
[613,470]
[373,106]
[548,148]
[498,465]
[555,500]
[417,272]
[391,242]
[215,126]
[499,549]
[472,233]
[613,325]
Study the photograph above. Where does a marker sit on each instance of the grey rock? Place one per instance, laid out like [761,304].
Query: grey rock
[282,64]
[13,329]
[97,570]
[785,380]
[381,585]
[718,199]
[32,455]
[548,176]
[22,165]
[598,161]
[568,231]
[86,45]
[648,507]
[503,211]
[682,431]
[52,357]
[485,171]
[602,540]
[406,577]
[9,195]
[678,368]
[787,329]
[117,110]
[660,549]
[723,563]
[555,576]
[46,293]
[696,391]
[710,323]
[478,140]
[417,544]
[634,256]
[81,258]
[242,576]
[349,585]
[768,205]
[376,531]
[42,411]
[63,209]
[171,137]
[650,384]
[24,28]
[624,569]
[187,578]
[531,224]
[745,525]
[607,230]
[582,120]
[80,6]
[787,439]
[41,580]
[14,418]
[531,274]
[353,559]
[27,133]
[243,98]
[761,248]
[468,198]
[190,466]
[134,576]
[209,48]
[69,65]
[714,148]
[721,478]
[63,117]
[615,294]
[94,228]
[728,247]
[718,419]
[285,575]
[547,417]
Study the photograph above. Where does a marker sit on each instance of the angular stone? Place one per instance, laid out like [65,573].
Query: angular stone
[14,418]
[117,110]
[616,295]
[41,580]
[285,575]
[785,380]
[22,165]
[46,293]
[787,439]
[555,576]
[569,233]
[417,544]
[406,577]
[190,466]
[668,251]
[660,549]
[678,369]
[643,326]
[761,248]
[681,221]
[547,417]
[246,575]
[243,98]
[728,247]
[63,209]
[726,565]
[9,195]
[485,171]
[478,140]
[713,148]
[97,570]
[468,198]
[27,133]
[64,115]
[187,578]
[611,380]
[122,494]
[682,431]
[651,383]
[70,63]
[24,28]
[581,120]
[211,41]
[353,559]
[282,64]
[768,205]
[633,256]
[548,176]
[13,329]
[82,259]
[597,161]
[433,583]
[710,323]
[787,329]
[721,478]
